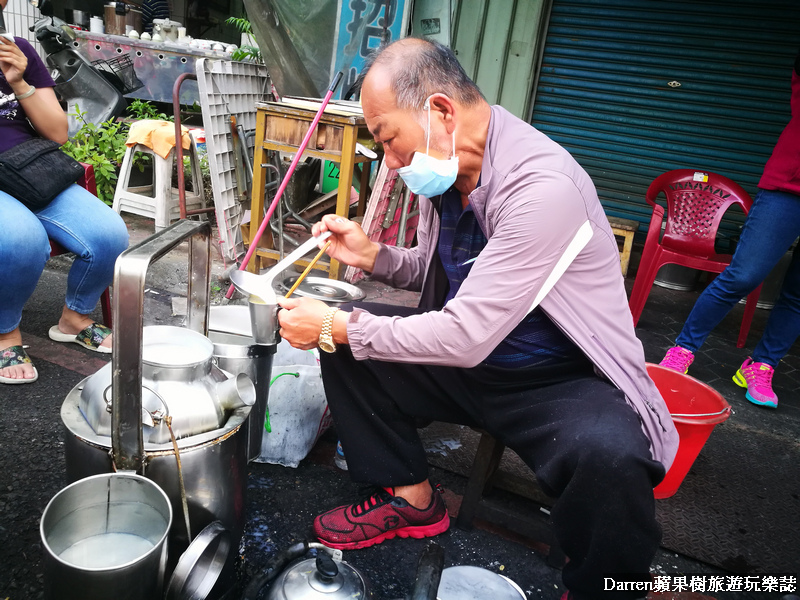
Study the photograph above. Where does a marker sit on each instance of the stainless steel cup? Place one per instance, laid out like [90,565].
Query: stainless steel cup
[264,321]
[106,537]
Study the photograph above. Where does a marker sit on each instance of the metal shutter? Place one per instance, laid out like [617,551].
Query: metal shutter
[607,90]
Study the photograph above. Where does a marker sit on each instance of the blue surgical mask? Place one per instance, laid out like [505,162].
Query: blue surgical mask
[428,176]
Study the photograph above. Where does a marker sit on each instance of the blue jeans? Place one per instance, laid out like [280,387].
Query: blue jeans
[771,226]
[78,221]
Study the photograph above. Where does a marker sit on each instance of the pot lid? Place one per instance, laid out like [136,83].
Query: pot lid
[474,583]
[320,578]
[200,565]
[322,288]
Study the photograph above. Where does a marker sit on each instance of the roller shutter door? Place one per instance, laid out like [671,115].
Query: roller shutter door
[636,88]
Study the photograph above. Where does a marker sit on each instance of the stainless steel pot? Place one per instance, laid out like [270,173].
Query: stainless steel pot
[106,537]
[77,17]
[213,463]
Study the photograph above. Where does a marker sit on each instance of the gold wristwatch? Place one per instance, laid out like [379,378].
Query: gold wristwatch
[326,343]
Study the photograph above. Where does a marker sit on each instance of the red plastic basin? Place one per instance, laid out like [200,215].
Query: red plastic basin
[695,408]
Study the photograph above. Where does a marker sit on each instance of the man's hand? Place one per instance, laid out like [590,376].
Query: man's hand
[301,321]
[349,244]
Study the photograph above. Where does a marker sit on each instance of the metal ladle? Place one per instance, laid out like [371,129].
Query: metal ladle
[261,285]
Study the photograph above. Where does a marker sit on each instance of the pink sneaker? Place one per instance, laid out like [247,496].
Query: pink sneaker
[678,359]
[757,378]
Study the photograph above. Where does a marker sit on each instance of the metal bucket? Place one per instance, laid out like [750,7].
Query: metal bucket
[106,537]
[77,17]
[677,277]
[240,354]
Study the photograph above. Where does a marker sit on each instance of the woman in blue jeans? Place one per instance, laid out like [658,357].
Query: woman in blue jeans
[75,218]
[771,227]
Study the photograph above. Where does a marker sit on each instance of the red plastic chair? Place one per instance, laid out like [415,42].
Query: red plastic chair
[87,181]
[694,211]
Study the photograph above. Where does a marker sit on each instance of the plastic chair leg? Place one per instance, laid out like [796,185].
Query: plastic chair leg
[648,267]
[105,303]
[123,178]
[163,189]
[197,176]
[747,319]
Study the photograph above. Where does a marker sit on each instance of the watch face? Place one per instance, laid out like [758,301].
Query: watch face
[327,346]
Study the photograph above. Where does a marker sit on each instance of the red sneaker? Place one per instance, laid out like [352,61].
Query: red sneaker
[380,517]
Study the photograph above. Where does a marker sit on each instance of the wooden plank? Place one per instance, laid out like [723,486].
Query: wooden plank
[334,107]
[625,224]
[329,138]
[283,130]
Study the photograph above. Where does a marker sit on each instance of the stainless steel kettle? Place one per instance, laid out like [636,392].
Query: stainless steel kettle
[328,577]
[320,578]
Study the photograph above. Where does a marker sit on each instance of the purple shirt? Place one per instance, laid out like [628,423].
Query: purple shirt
[14,125]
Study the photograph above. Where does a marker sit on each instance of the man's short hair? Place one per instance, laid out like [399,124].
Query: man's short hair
[421,70]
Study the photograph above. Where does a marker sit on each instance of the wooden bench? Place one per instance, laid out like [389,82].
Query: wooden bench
[478,503]
[624,228]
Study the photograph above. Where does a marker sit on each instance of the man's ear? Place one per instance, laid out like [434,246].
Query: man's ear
[442,103]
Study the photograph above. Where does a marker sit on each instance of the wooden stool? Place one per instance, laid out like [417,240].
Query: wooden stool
[158,200]
[624,228]
[477,503]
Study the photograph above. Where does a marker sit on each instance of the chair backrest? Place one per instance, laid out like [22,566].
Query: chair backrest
[88,179]
[696,202]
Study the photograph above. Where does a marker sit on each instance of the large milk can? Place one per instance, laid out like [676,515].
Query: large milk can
[164,409]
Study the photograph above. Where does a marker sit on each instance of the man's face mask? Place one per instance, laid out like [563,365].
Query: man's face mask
[428,176]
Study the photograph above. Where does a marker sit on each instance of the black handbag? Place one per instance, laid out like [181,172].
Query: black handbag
[36,171]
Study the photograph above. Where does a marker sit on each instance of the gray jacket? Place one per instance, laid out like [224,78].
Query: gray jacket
[549,243]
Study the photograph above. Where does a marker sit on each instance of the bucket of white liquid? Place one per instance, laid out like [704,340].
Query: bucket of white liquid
[105,537]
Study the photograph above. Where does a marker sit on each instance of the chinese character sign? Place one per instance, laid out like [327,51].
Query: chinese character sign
[362,26]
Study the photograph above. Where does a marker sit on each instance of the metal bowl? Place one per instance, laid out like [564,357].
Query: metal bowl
[331,291]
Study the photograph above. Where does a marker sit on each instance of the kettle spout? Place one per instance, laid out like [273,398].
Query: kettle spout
[235,392]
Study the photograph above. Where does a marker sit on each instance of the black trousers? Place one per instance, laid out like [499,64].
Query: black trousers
[574,430]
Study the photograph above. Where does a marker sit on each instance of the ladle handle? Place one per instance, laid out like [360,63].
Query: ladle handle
[294,256]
